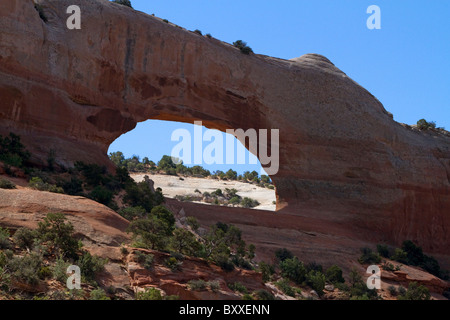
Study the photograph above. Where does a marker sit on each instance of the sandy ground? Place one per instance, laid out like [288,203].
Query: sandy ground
[173,186]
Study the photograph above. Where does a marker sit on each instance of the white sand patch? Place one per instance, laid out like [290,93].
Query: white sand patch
[173,186]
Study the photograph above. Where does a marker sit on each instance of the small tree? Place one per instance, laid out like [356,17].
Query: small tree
[55,230]
[242,45]
[123,2]
[423,124]
[293,269]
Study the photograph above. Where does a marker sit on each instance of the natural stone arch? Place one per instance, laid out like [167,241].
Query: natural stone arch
[342,158]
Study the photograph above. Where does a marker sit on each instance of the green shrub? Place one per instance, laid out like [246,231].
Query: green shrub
[283,254]
[60,234]
[146,260]
[400,256]
[249,203]
[416,292]
[242,45]
[26,268]
[284,286]
[91,265]
[173,264]
[59,271]
[12,151]
[393,291]
[423,124]
[185,242]
[334,274]
[6,184]
[102,195]
[98,294]
[237,286]
[293,269]
[264,295]
[369,257]
[24,238]
[132,213]
[383,250]
[197,32]
[149,294]
[4,239]
[267,271]
[316,280]
[73,187]
[197,285]
[151,232]
[165,20]
[214,285]
[38,184]
[193,223]
[123,2]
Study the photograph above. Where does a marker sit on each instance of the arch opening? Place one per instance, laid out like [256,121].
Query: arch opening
[191,162]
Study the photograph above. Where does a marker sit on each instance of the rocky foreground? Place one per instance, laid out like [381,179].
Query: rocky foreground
[103,233]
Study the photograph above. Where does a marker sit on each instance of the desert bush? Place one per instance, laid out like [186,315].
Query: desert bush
[249,203]
[26,268]
[24,238]
[173,264]
[383,250]
[392,290]
[316,280]
[369,257]
[293,269]
[12,151]
[59,271]
[334,274]
[242,45]
[267,271]
[132,213]
[98,294]
[264,295]
[123,2]
[283,254]
[285,287]
[149,294]
[150,232]
[416,292]
[59,233]
[197,32]
[101,194]
[237,286]
[193,223]
[6,184]
[197,285]
[185,242]
[214,286]
[423,124]
[5,243]
[38,184]
[91,265]
[145,259]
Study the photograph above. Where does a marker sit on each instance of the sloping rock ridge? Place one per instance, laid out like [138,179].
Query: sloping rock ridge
[343,159]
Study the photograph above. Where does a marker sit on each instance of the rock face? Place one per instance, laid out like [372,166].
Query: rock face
[343,159]
[95,223]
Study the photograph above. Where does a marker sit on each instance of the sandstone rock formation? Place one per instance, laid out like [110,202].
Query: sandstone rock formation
[343,160]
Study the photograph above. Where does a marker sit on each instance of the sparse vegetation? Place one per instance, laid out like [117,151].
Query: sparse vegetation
[6,184]
[123,2]
[423,124]
[242,45]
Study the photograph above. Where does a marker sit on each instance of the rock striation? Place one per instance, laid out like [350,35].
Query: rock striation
[343,159]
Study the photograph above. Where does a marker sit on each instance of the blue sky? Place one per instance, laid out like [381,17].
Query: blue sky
[405,64]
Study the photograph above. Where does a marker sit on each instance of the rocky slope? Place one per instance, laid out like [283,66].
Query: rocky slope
[103,233]
[343,160]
